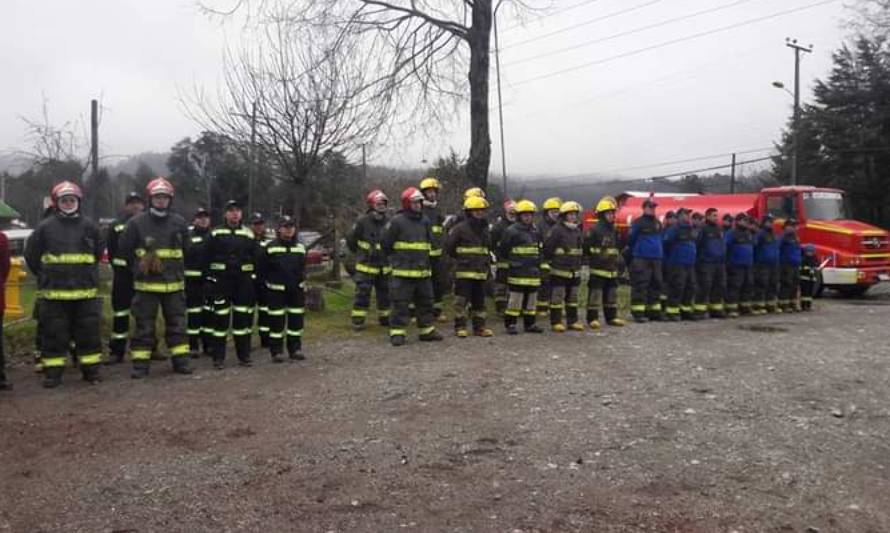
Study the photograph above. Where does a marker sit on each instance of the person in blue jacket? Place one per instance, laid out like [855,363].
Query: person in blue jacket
[766,268]
[645,267]
[680,253]
[710,271]
[789,263]
[739,267]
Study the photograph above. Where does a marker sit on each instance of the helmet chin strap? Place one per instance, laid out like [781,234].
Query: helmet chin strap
[158,212]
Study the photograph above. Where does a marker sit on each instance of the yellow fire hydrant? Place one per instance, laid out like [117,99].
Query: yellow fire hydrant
[17,273]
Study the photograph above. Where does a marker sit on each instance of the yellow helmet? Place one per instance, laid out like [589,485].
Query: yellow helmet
[570,207]
[606,203]
[430,183]
[525,206]
[552,203]
[474,192]
[475,202]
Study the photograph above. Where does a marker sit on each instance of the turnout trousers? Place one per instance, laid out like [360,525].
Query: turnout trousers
[287,309]
[645,287]
[469,294]
[789,286]
[145,313]
[500,287]
[262,310]
[564,299]
[233,301]
[807,288]
[522,301]
[65,321]
[365,284]
[766,288]
[121,300]
[602,293]
[197,315]
[711,285]
[680,290]
[438,282]
[408,292]
[739,282]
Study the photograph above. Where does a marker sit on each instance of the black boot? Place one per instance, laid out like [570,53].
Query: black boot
[530,326]
[432,336]
[383,321]
[115,358]
[181,365]
[5,385]
[245,361]
[397,340]
[91,374]
[52,377]
[140,369]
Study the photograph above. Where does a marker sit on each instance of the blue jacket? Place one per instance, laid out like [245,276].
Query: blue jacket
[645,238]
[789,251]
[739,248]
[711,247]
[766,247]
[679,245]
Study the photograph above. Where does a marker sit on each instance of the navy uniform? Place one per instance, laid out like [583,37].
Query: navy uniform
[646,249]
[739,267]
[198,314]
[766,269]
[680,253]
[710,270]
[258,226]
[790,258]
[282,266]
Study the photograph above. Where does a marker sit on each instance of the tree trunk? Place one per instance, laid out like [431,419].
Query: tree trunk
[479,38]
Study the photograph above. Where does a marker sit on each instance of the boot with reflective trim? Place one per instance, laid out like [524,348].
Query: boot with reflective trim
[484,332]
[557,328]
[52,377]
[594,324]
[140,369]
[617,322]
[91,374]
[181,365]
[462,333]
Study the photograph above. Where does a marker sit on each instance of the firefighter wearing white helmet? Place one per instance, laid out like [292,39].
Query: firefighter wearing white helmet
[603,251]
[563,250]
[549,219]
[153,245]
[64,252]
[521,249]
[430,188]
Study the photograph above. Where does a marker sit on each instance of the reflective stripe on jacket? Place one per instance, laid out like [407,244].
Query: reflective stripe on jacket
[601,246]
[469,244]
[564,251]
[63,252]
[364,240]
[521,246]
[406,245]
[163,238]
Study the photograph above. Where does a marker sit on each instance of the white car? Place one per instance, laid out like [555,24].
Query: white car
[17,239]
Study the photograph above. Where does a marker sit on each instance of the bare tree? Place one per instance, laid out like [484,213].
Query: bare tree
[51,143]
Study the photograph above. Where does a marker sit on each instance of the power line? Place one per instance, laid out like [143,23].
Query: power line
[673,41]
[696,171]
[631,31]
[553,13]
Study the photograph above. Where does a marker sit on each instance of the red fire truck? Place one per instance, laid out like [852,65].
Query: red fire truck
[853,255]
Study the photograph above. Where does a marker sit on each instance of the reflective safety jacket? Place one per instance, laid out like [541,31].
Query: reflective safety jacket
[497,233]
[544,227]
[808,268]
[406,245]
[64,252]
[739,247]
[601,246]
[645,238]
[789,251]
[521,246]
[437,229]
[231,251]
[564,251]
[153,247]
[766,247]
[115,230]
[679,245]
[282,264]
[364,240]
[469,244]
[195,251]
[711,246]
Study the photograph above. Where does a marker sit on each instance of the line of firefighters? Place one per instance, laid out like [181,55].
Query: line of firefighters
[208,283]
[691,267]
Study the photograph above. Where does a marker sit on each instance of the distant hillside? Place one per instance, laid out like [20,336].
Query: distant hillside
[158,163]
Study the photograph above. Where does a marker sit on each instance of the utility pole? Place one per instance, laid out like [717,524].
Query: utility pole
[792,43]
[364,164]
[251,172]
[732,177]
[92,204]
[497,63]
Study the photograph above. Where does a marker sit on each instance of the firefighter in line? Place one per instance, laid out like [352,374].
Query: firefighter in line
[710,269]
[808,277]
[153,246]
[282,264]
[472,192]
[469,244]
[727,222]
[498,229]
[603,250]
[229,268]
[64,252]
[680,257]
[739,267]
[790,258]
[371,270]
[549,219]
[521,247]
[646,250]
[766,269]
[122,281]
[564,251]
[258,227]
[430,188]
[407,243]
[198,316]
[670,218]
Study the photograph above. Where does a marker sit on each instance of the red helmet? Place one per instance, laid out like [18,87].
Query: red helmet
[374,196]
[409,195]
[159,186]
[65,188]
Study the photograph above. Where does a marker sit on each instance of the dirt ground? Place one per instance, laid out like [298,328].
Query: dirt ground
[758,424]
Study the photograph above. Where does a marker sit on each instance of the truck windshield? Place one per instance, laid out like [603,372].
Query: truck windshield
[825,205]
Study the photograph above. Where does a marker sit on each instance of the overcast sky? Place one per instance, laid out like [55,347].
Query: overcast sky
[617,106]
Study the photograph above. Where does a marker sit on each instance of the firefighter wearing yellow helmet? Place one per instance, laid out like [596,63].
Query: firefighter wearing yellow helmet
[521,249]
[474,192]
[430,188]
[564,252]
[549,219]
[469,244]
[602,249]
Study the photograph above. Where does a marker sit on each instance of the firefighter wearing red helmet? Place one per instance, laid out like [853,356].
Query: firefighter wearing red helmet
[429,188]
[153,245]
[64,252]
[407,245]
[371,270]
[122,282]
